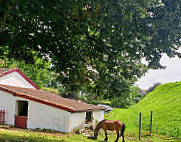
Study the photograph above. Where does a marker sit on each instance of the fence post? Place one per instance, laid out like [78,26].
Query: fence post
[140,127]
[151,122]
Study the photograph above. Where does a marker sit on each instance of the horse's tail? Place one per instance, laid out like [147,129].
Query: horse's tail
[123,128]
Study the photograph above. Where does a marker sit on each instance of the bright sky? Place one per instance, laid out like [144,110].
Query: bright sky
[171,74]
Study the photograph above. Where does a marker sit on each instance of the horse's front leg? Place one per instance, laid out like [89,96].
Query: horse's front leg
[117,136]
[105,135]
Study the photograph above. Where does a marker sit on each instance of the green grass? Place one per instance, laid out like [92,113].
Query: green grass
[131,136]
[164,101]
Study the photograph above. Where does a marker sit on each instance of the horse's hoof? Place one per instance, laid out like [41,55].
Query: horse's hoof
[105,139]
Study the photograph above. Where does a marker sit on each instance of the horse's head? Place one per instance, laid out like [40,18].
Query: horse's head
[96,130]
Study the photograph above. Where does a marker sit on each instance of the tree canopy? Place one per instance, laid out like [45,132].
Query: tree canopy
[97,44]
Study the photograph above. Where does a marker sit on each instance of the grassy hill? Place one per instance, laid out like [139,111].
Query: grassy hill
[164,101]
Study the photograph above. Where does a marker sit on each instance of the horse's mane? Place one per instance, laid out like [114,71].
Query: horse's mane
[98,125]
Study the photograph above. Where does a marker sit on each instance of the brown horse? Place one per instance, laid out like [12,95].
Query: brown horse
[110,125]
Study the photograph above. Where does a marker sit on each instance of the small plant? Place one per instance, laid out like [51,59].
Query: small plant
[38,129]
[44,130]
[76,130]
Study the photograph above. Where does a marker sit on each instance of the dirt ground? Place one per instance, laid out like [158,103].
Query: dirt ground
[84,132]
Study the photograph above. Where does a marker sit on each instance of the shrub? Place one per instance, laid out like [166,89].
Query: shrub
[70,95]
[119,102]
[51,90]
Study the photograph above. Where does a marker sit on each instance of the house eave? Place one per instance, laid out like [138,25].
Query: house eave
[88,110]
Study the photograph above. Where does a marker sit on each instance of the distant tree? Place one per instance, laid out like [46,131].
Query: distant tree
[134,92]
[150,89]
[118,102]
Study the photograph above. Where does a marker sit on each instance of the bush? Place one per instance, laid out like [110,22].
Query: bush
[51,90]
[119,102]
[70,95]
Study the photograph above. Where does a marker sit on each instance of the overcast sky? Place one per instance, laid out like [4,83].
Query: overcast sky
[171,74]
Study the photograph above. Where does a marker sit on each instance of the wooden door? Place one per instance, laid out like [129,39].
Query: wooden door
[20,121]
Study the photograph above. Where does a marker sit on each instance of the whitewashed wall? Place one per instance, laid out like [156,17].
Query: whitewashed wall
[44,116]
[77,120]
[15,79]
[7,102]
[98,116]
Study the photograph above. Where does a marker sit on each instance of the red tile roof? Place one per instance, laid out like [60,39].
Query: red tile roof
[49,99]
[5,71]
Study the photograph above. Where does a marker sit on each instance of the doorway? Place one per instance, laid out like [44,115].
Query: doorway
[89,116]
[22,108]
[89,120]
[21,114]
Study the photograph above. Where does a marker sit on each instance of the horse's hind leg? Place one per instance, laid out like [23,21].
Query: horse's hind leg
[117,137]
[105,135]
[122,134]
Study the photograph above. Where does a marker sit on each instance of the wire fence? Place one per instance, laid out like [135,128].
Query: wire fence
[157,129]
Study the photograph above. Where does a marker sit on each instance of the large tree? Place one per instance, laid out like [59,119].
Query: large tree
[94,43]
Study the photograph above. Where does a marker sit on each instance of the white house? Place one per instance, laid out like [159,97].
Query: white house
[27,106]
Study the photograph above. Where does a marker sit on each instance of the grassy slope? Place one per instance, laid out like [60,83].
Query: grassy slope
[164,101]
